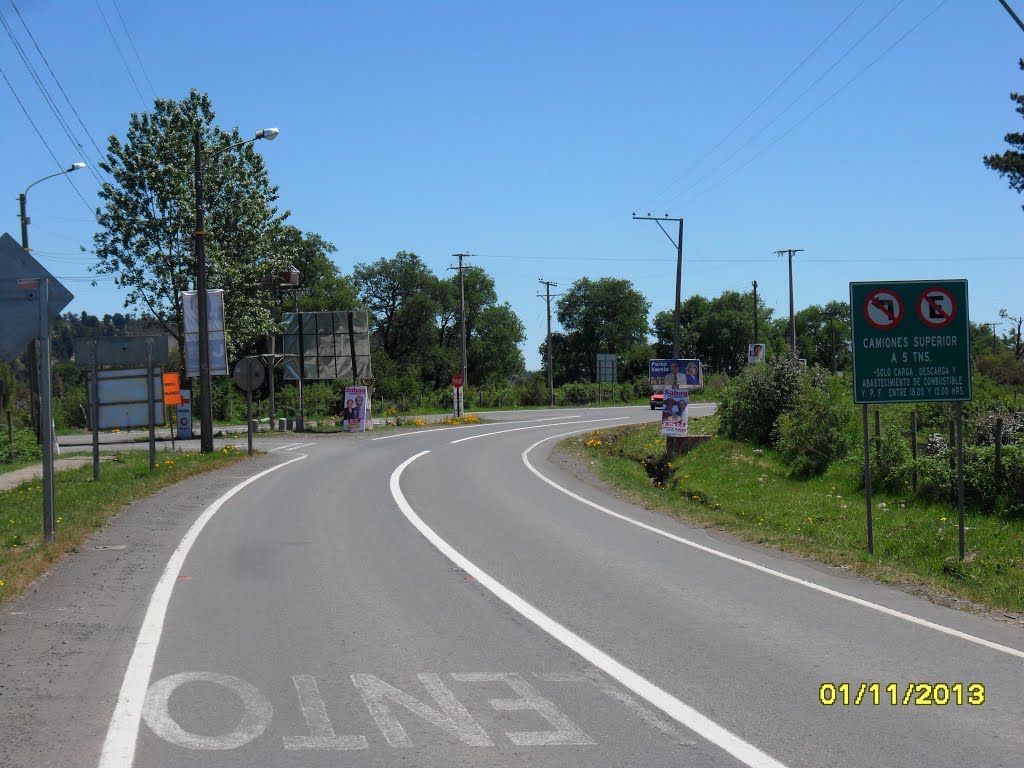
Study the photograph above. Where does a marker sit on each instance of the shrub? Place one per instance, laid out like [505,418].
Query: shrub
[752,403]
[893,464]
[815,432]
[25,446]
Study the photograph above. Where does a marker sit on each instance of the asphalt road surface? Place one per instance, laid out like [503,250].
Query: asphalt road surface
[450,597]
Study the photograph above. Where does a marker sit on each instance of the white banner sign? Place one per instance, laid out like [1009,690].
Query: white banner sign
[185,416]
[215,324]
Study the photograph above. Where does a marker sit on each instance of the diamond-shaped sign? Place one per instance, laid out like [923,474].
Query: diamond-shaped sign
[21,278]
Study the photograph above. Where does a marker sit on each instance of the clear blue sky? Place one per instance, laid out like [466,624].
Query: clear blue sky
[529,132]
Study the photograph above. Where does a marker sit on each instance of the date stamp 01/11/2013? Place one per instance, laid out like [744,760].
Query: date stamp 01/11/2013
[902,694]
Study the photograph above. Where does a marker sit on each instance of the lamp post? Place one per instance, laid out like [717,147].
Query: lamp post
[33,347]
[205,399]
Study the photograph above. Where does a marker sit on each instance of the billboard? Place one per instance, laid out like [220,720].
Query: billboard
[684,374]
[674,420]
[327,345]
[606,366]
[215,325]
[122,394]
[755,353]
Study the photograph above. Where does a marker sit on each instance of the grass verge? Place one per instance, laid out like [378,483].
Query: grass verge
[749,493]
[83,506]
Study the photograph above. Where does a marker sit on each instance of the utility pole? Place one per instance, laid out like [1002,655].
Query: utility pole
[792,312]
[33,348]
[462,314]
[551,379]
[679,270]
[756,340]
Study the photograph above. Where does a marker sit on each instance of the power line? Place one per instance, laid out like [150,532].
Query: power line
[57,81]
[806,117]
[47,97]
[791,104]
[120,53]
[760,104]
[131,42]
[41,137]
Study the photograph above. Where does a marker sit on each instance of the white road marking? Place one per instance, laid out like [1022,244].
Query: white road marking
[298,445]
[258,712]
[566,731]
[453,718]
[472,426]
[537,426]
[123,731]
[321,732]
[764,569]
[601,683]
[743,751]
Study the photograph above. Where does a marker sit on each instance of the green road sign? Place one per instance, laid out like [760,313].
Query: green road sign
[910,342]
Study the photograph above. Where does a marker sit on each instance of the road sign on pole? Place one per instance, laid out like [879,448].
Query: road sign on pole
[21,279]
[457,381]
[910,342]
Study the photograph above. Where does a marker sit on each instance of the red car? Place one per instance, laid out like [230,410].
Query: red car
[657,400]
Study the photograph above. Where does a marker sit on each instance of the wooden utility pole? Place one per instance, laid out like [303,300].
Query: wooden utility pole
[551,376]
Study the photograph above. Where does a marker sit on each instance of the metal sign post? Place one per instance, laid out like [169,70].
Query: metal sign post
[149,405]
[94,415]
[249,374]
[911,344]
[49,514]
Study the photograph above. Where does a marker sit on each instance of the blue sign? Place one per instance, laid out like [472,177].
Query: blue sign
[685,374]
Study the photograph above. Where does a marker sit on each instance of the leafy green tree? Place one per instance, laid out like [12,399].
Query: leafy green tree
[401,294]
[323,286]
[604,315]
[147,219]
[494,355]
[715,331]
[1010,164]
[823,335]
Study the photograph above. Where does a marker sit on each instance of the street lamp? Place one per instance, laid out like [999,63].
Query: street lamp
[205,399]
[33,371]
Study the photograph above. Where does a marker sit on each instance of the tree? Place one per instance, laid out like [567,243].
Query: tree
[147,220]
[401,295]
[1010,164]
[495,355]
[822,329]
[605,315]
[715,331]
[323,287]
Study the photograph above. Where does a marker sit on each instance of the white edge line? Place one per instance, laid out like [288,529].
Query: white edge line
[686,715]
[123,731]
[283,447]
[764,569]
[438,429]
[537,426]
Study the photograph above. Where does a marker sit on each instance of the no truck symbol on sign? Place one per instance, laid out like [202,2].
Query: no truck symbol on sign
[883,309]
[936,307]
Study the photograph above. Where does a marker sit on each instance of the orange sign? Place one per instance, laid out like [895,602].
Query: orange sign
[172,389]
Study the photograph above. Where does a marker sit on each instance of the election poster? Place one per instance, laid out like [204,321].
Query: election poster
[755,354]
[357,409]
[676,373]
[673,414]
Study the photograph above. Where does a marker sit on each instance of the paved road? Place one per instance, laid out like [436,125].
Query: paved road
[447,598]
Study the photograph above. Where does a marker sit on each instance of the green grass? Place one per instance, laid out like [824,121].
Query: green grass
[82,506]
[733,487]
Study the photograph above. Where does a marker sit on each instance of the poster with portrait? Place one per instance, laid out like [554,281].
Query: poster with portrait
[673,414]
[678,373]
[755,354]
[356,412]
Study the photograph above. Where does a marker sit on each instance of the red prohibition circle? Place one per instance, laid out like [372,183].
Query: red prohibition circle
[889,294]
[930,322]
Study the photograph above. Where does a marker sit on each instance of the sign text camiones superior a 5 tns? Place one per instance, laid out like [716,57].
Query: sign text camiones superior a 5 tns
[911,341]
